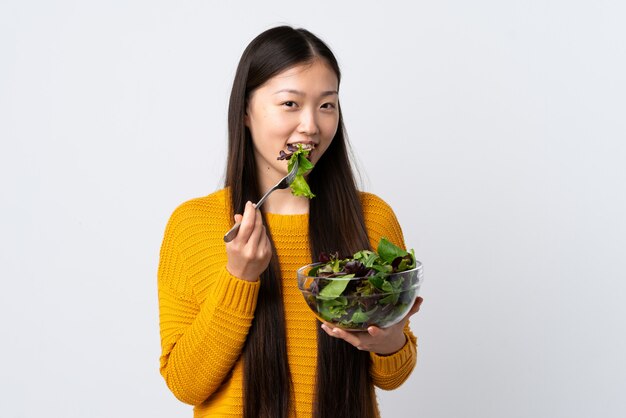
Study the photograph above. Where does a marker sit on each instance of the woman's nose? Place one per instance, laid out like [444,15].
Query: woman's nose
[308,123]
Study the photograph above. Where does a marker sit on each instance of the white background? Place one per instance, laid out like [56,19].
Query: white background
[495,129]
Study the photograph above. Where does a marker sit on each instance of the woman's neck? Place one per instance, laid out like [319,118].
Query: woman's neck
[282,202]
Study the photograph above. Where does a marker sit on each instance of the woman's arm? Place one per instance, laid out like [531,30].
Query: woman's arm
[389,371]
[200,343]
[201,337]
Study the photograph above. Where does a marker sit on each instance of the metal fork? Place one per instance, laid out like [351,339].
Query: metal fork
[282,184]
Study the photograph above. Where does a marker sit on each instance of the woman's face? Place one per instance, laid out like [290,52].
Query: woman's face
[299,105]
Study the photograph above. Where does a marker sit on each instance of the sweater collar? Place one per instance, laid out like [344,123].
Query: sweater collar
[296,223]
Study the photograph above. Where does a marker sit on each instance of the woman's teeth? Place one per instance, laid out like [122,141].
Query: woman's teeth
[305,146]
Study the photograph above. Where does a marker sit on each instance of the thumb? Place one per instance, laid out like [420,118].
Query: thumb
[238,218]
[416,306]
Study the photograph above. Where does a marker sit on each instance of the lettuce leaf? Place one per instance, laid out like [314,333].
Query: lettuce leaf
[299,187]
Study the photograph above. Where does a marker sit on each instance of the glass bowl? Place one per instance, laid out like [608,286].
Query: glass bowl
[356,303]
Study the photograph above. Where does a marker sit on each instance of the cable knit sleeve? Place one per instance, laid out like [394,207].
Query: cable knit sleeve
[204,311]
[388,372]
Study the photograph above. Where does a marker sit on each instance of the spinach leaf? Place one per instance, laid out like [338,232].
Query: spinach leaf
[388,251]
[377,280]
[391,298]
[359,316]
[336,287]
[333,308]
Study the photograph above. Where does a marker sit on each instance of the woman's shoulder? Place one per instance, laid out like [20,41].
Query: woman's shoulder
[380,220]
[216,201]
[209,210]
[374,205]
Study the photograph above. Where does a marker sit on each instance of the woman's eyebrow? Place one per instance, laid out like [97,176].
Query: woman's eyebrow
[299,93]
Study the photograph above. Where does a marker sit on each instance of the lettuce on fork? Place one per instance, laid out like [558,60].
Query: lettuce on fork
[299,187]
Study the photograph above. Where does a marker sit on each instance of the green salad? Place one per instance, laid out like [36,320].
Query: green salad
[299,152]
[369,288]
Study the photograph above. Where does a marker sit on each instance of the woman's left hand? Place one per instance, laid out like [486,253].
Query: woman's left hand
[382,341]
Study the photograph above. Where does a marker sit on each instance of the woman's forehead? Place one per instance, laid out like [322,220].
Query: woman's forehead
[316,75]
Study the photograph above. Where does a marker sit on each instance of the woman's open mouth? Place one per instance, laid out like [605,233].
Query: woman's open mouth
[306,145]
[292,148]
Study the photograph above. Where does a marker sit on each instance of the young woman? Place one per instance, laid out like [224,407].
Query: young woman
[237,336]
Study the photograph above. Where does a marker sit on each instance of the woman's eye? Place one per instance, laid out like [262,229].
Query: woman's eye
[289,104]
[328,105]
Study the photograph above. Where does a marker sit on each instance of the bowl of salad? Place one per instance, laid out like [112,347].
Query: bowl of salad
[370,288]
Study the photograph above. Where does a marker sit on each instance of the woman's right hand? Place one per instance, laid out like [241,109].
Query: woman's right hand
[250,252]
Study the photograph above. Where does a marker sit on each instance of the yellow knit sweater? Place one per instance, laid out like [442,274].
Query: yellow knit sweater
[205,312]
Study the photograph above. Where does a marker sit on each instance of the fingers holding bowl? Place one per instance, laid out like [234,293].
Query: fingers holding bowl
[381,341]
[350,337]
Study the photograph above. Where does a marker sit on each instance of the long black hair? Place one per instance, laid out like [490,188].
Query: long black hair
[343,384]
